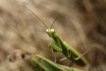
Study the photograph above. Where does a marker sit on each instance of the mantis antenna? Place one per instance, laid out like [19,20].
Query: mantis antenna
[35,15]
[38,17]
[54,21]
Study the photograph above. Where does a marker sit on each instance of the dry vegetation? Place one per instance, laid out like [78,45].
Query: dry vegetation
[81,23]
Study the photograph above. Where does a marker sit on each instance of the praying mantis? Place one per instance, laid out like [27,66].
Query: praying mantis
[62,46]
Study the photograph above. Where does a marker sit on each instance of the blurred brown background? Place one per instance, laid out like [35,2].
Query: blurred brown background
[81,23]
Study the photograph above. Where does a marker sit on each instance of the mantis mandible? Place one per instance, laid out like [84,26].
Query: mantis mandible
[62,46]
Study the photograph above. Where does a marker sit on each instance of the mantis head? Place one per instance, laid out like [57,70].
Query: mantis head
[50,32]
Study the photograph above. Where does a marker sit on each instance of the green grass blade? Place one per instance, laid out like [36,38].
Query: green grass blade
[38,62]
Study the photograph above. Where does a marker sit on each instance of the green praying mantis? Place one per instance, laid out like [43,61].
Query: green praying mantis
[65,48]
[62,46]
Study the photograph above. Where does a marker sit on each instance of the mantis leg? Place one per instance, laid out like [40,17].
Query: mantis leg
[53,48]
[53,54]
[71,55]
[84,53]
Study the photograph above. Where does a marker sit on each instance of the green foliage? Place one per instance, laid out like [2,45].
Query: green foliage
[40,63]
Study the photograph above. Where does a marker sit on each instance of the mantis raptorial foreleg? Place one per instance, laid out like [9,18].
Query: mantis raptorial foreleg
[55,48]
